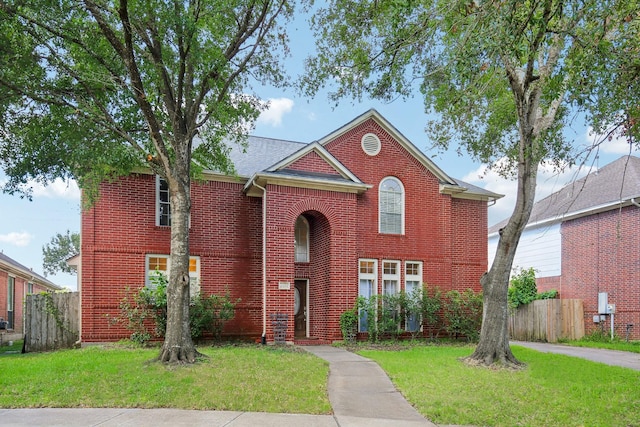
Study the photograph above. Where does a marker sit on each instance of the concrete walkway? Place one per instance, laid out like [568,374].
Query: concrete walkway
[625,359]
[361,393]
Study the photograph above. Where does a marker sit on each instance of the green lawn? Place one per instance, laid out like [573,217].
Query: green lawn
[553,390]
[632,346]
[245,378]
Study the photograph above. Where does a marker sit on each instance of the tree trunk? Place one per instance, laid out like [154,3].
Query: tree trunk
[178,346]
[494,334]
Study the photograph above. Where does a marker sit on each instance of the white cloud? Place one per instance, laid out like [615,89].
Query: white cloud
[58,189]
[277,108]
[616,145]
[17,239]
[549,181]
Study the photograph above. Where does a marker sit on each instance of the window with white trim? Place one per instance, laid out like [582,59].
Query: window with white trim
[163,206]
[162,264]
[367,273]
[302,239]
[390,277]
[11,301]
[413,286]
[391,206]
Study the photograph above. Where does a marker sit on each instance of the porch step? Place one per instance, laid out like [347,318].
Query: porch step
[311,341]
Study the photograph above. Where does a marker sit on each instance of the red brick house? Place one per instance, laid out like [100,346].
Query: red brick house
[302,231]
[585,240]
[16,282]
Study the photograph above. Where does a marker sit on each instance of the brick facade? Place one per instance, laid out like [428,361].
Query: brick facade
[601,253]
[446,234]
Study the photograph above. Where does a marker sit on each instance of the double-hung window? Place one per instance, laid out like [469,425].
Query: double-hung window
[391,206]
[367,273]
[160,264]
[413,289]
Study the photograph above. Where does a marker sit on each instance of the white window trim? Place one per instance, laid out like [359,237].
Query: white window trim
[367,276]
[391,276]
[193,276]
[158,211]
[402,206]
[413,278]
[306,254]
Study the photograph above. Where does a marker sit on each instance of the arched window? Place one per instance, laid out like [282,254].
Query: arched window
[391,203]
[302,239]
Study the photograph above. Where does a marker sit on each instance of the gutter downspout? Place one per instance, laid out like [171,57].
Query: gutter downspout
[634,202]
[264,262]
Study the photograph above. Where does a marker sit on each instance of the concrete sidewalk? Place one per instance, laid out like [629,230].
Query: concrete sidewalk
[609,357]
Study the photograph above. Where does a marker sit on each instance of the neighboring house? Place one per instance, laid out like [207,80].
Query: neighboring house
[301,231]
[585,239]
[16,282]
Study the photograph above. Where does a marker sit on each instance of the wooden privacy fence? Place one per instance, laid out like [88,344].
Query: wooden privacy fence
[52,321]
[548,320]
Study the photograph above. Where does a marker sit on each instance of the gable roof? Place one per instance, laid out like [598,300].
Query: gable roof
[615,185]
[14,267]
[278,173]
[265,159]
[397,135]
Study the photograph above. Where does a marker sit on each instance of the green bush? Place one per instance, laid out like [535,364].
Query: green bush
[523,289]
[349,324]
[463,314]
[147,308]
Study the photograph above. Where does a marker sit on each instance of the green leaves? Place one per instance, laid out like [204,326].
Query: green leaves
[88,90]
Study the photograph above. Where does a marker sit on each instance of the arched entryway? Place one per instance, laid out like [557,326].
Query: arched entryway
[312,275]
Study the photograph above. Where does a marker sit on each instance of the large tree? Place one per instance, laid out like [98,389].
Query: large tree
[91,89]
[56,253]
[501,77]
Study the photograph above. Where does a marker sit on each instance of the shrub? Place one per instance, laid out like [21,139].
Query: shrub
[148,306]
[349,324]
[463,314]
[523,289]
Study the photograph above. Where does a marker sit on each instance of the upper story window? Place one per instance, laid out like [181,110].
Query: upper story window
[302,239]
[391,204]
[163,207]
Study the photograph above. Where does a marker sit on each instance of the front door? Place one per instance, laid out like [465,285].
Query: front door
[300,308]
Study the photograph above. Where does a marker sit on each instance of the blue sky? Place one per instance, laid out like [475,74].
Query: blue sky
[26,226]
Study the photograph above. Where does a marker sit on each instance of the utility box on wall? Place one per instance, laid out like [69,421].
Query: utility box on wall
[603,302]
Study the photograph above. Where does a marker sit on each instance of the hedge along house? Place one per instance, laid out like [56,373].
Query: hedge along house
[299,233]
[584,240]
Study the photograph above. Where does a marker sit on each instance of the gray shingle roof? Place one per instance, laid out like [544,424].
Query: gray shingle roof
[612,184]
[26,271]
[260,153]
